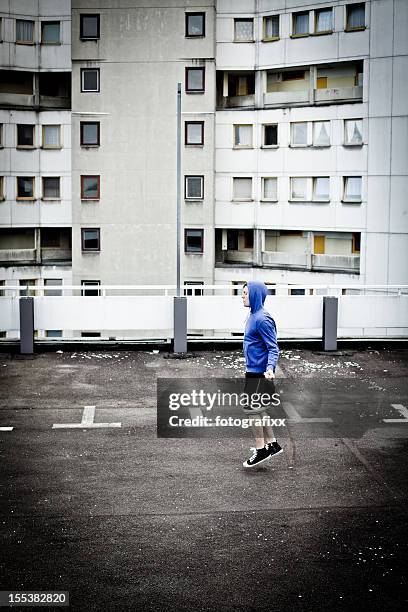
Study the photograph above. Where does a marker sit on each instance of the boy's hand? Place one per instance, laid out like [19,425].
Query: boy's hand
[269,374]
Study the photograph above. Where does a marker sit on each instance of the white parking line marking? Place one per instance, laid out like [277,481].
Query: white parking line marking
[6,428]
[86,422]
[401,409]
[294,416]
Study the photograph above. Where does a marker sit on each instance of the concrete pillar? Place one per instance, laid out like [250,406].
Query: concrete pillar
[180,325]
[329,331]
[257,251]
[26,325]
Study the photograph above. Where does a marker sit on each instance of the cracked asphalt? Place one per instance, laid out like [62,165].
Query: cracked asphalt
[124,520]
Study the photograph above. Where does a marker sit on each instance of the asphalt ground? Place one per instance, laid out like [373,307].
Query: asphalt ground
[125,520]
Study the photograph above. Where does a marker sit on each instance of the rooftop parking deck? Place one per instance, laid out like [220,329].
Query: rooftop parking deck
[124,520]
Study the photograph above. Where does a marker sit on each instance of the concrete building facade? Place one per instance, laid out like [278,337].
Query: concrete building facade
[294,141]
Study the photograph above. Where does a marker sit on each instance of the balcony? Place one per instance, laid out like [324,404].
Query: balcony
[55,255]
[278,259]
[235,90]
[336,94]
[17,256]
[294,98]
[336,263]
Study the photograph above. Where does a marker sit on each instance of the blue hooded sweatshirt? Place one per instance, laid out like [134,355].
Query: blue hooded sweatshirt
[261,349]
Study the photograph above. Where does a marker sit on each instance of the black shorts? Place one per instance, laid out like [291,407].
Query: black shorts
[256,384]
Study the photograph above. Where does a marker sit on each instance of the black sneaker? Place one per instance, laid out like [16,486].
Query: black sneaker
[258,456]
[274,449]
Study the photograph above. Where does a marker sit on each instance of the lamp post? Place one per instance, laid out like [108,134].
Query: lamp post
[180,302]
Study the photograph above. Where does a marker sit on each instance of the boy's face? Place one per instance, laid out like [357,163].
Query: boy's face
[245,296]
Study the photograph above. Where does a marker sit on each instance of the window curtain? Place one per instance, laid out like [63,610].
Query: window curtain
[24,30]
[51,187]
[244,30]
[243,135]
[356,16]
[299,188]
[272,26]
[324,21]
[51,135]
[322,137]
[270,188]
[354,132]
[322,188]
[353,188]
[299,133]
[302,23]
[242,188]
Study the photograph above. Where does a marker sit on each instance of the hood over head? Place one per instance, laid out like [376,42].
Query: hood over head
[257,293]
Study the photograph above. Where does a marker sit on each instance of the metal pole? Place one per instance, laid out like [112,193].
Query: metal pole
[180,303]
[178,195]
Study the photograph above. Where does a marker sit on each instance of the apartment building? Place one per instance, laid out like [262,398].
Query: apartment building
[311,147]
[35,144]
[294,141]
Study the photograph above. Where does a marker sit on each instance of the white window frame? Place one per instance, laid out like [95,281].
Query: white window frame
[193,198]
[308,196]
[25,42]
[352,200]
[309,135]
[323,32]
[97,90]
[233,198]
[263,197]
[234,132]
[265,146]
[54,198]
[359,28]
[45,22]
[292,23]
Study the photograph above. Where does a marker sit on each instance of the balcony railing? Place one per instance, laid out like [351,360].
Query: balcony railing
[345,94]
[17,255]
[348,263]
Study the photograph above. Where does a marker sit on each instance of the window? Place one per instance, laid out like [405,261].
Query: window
[90,288]
[293,75]
[25,188]
[2,188]
[248,239]
[243,30]
[89,27]
[51,136]
[53,333]
[193,240]
[25,136]
[321,189]
[241,84]
[90,133]
[50,32]
[324,21]
[353,132]
[299,134]
[90,187]
[51,188]
[355,16]
[194,187]
[300,25]
[297,291]
[52,282]
[298,190]
[232,240]
[352,189]
[194,133]
[24,31]
[242,188]
[355,242]
[321,134]
[27,282]
[270,189]
[89,79]
[90,334]
[195,25]
[195,80]
[90,238]
[243,136]
[271,27]
[270,135]
[193,287]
